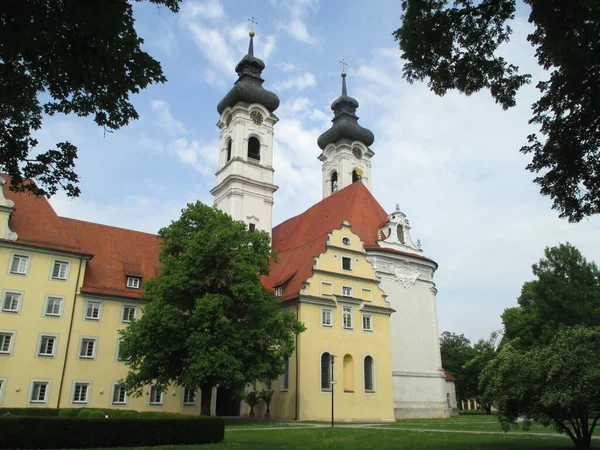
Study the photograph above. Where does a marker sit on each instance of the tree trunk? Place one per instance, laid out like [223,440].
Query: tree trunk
[205,400]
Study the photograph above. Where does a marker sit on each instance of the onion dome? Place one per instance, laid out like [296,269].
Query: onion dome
[345,122]
[248,88]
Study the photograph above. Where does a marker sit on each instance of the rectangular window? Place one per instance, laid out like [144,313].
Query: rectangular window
[156,396]
[39,392]
[367,320]
[133,282]
[118,355]
[346,291]
[87,348]
[326,318]
[268,385]
[11,302]
[80,393]
[92,310]
[53,306]
[346,263]
[119,395]
[6,342]
[129,313]
[2,388]
[347,318]
[47,345]
[366,294]
[19,264]
[278,291]
[60,270]
[189,396]
[285,378]
[252,227]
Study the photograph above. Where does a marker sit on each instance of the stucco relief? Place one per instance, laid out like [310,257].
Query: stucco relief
[405,274]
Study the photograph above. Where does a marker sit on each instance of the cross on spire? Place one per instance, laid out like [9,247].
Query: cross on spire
[253,22]
[344,64]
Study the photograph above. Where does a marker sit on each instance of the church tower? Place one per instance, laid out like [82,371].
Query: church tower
[245,188]
[346,154]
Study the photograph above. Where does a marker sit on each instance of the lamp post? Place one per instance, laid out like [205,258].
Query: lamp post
[332,389]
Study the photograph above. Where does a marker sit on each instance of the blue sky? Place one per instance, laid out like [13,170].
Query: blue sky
[452,163]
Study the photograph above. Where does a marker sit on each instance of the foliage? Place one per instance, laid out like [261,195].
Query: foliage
[267,396]
[43,432]
[30,412]
[456,351]
[84,413]
[252,398]
[557,384]
[565,293]
[485,351]
[455,45]
[66,57]
[209,320]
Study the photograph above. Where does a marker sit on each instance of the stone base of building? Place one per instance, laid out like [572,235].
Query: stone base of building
[423,412]
[420,395]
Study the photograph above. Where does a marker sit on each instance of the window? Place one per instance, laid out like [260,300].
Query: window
[2,389]
[367,320]
[53,307]
[129,313]
[334,182]
[278,291]
[6,342]
[93,310]
[228,149]
[80,393]
[347,318]
[346,263]
[19,264]
[326,372]
[118,356]
[119,395]
[251,226]
[87,348]
[254,149]
[47,345]
[356,175]
[40,391]
[448,399]
[369,371]
[346,291]
[60,270]
[133,282]
[189,396]
[346,241]
[156,396]
[326,318]
[11,301]
[400,231]
[285,377]
[268,385]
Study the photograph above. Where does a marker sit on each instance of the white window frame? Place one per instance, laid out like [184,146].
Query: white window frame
[11,344]
[118,351]
[327,284]
[33,382]
[373,375]
[184,398]
[368,297]
[38,350]
[67,263]
[116,385]
[342,264]
[3,382]
[5,293]
[350,290]
[85,310]
[370,317]
[60,306]
[351,315]
[151,401]
[27,264]
[80,348]
[127,306]
[330,324]
[87,394]
[134,282]
[278,291]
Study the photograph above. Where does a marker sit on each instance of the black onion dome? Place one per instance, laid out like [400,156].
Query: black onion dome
[248,88]
[345,122]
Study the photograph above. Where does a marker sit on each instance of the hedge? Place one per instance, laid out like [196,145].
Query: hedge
[59,432]
[30,412]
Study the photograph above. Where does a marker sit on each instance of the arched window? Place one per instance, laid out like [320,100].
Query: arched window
[369,374]
[348,374]
[325,372]
[356,174]
[334,182]
[400,230]
[254,149]
[228,149]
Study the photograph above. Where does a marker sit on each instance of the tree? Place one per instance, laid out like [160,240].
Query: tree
[60,56]
[456,351]
[557,385]
[485,351]
[456,47]
[565,293]
[209,321]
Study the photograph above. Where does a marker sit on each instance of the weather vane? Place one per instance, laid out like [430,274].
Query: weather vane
[253,22]
[344,64]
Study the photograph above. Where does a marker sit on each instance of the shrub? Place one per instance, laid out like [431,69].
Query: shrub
[50,432]
[84,413]
[97,414]
[68,412]
[29,412]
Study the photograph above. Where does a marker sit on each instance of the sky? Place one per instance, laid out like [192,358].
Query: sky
[451,163]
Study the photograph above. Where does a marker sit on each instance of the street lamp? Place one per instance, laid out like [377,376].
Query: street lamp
[332,386]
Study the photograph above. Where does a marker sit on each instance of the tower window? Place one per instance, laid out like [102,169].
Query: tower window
[356,174]
[400,233]
[334,182]
[228,149]
[254,149]
[251,227]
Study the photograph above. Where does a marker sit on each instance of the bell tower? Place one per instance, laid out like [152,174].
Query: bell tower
[244,187]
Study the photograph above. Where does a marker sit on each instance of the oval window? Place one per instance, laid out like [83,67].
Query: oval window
[346,240]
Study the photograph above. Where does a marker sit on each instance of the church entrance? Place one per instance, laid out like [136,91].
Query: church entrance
[228,403]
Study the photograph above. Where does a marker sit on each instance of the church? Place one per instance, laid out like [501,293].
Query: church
[348,269]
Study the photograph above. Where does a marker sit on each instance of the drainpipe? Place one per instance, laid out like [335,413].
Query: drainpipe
[297,360]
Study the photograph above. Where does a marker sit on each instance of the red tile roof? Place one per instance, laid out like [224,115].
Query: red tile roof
[36,223]
[448,376]
[118,253]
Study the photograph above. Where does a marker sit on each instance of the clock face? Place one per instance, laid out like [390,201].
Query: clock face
[256,117]
[357,152]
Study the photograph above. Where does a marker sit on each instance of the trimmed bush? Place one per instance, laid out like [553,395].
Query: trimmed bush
[59,432]
[68,412]
[29,412]
[97,414]
[84,413]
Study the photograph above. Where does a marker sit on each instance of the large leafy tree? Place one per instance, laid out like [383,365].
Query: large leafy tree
[456,351]
[454,45]
[209,321]
[557,384]
[66,56]
[485,351]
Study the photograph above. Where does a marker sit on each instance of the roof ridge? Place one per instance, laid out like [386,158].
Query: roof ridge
[109,226]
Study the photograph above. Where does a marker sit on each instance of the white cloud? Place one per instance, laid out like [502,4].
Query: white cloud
[203,158]
[295,21]
[299,82]
[165,119]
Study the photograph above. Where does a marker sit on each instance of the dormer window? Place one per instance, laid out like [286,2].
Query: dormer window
[254,149]
[133,282]
[278,291]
